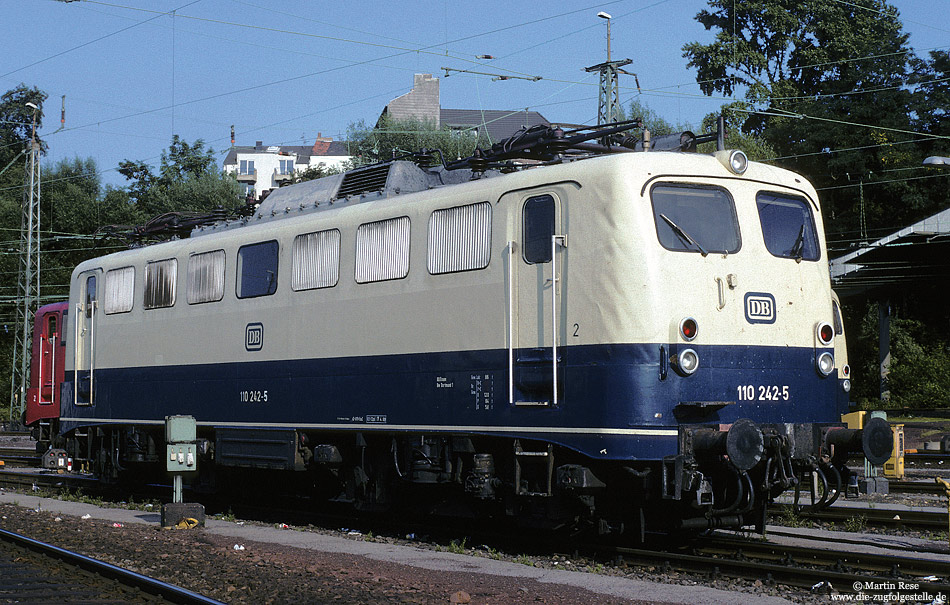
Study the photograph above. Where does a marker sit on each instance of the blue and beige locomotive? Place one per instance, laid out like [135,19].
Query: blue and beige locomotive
[620,340]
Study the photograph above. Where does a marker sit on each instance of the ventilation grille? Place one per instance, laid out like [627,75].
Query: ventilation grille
[363,181]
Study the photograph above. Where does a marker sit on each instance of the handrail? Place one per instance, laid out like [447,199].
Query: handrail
[511,323]
[554,282]
[77,352]
[92,344]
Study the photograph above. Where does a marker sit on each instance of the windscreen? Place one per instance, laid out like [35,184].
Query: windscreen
[695,219]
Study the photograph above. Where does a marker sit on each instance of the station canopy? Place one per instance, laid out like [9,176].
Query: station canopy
[920,252]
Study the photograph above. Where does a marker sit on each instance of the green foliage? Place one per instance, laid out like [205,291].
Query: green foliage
[789,517]
[316,172]
[919,371]
[16,123]
[652,120]
[74,205]
[188,180]
[856,523]
[458,547]
[841,64]
[753,145]
[393,138]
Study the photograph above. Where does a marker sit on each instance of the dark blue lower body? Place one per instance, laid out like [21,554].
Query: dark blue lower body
[619,402]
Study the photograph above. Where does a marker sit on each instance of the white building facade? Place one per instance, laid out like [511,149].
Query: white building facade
[261,168]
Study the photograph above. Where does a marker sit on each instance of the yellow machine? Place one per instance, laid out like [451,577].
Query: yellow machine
[894,467]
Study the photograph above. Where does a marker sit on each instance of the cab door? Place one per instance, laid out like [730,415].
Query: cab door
[49,338]
[537,252]
[87,311]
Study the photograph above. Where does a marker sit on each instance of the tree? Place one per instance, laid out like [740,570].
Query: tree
[316,172]
[188,179]
[931,99]
[392,138]
[752,144]
[824,83]
[16,121]
[652,120]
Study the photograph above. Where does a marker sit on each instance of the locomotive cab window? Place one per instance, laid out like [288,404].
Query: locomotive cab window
[539,218]
[316,260]
[161,278]
[459,239]
[90,295]
[695,219]
[787,226]
[120,287]
[206,277]
[257,269]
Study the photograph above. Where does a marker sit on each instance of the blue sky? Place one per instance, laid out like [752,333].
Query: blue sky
[134,74]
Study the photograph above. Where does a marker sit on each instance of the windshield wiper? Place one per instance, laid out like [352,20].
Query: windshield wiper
[683,235]
[798,248]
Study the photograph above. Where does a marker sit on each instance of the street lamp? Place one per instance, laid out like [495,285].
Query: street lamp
[936,160]
[607,17]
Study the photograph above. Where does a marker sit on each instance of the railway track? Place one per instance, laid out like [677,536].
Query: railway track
[17,456]
[915,487]
[54,482]
[927,459]
[721,557]
[877,517]
[36,572]
[807,567]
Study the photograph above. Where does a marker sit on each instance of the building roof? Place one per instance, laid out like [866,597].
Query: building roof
[499,124]
[321,148]
[423,103]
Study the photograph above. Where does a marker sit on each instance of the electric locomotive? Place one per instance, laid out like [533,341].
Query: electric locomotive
[623,340]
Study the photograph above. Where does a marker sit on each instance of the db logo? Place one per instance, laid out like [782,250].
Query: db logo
[759,308]
[254,337]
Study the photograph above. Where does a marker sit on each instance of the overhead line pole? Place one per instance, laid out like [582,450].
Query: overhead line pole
[28,282]
[608,99]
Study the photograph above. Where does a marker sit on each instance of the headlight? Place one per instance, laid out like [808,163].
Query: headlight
[733,159]
[687,361]
[846,385]
[826,363]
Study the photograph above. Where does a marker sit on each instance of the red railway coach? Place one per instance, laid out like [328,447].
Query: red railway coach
[47,370]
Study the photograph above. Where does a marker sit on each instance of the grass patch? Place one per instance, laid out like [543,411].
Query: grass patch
[789,517]
[855,524]
[457,547]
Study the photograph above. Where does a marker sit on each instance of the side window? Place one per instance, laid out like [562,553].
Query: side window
[538,218]
[257,269]
[459,239]
[160,280]
[316,260]
[51,327]
[787,226]
[119,290]
[836,317]
[206,277]
[695,219]
[382,250]
[90,295]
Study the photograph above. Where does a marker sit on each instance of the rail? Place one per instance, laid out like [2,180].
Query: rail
[169,592]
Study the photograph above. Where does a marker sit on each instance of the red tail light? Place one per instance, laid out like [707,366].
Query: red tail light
[825,333]
[689,328]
